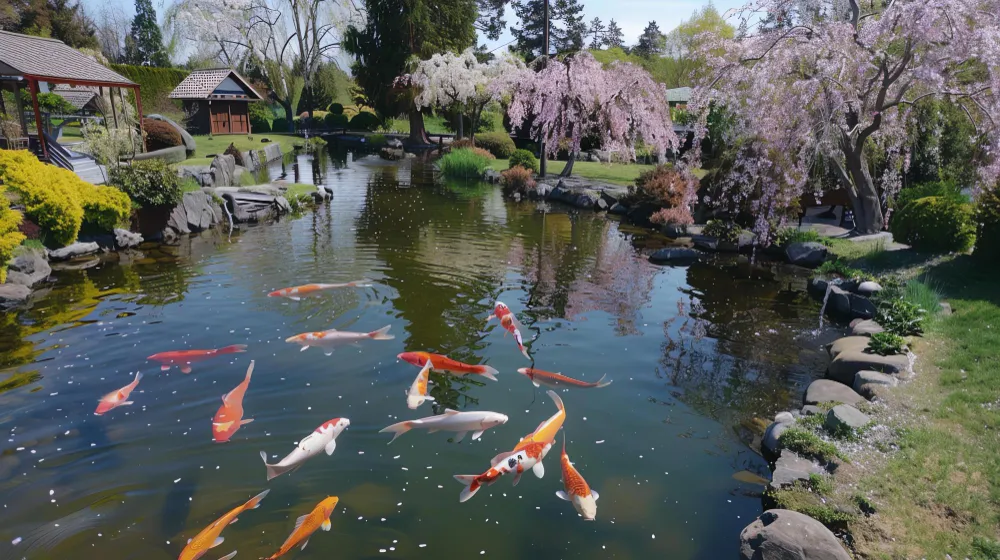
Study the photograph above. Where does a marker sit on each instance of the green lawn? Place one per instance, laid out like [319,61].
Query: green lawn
[208,146]
[433,124]
[614,173]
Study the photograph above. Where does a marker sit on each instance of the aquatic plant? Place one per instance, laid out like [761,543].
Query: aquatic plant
[463,163]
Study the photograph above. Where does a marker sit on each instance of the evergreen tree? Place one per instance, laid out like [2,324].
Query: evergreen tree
[596,32]
[144,46]
[59,19]
[613,36]
[567,28]
[651,43]
[569,36]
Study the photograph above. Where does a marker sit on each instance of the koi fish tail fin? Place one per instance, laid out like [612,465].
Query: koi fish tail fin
[249,371]
[138,377]
[382,334]
[397,429]
[254,502]
[602,383]
[488,372]
[363,283]
[274,471]
[471,486]
[229,556]
[234,349]
[556,399]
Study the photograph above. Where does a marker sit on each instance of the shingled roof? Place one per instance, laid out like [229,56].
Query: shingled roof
[52,60]
[78,96]
[201,83]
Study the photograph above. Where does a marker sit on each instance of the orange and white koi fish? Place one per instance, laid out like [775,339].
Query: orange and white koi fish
[444,364]
[577,492]
[209,537]
[516,462]
[229,418]
[332,339]
[184,358]
[557,380]
[508,323]
[298,292]
[547,430]
[323,438]
[114,399]
[305,526]
[500,310]
[417,394]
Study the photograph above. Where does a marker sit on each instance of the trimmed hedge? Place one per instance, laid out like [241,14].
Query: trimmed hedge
[160,135]
[525,159]
[500,144]
[155,84]
[935,224]
[365,121]
[58,200]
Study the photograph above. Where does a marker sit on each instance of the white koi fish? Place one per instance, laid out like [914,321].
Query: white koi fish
[451,421]
[324,438]
[332,339]
[417,394]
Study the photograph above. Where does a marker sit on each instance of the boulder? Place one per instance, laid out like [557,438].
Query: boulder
[781,534]
[675,255]
[223,171]
[816,288]
[282,205]
[272,152]
[490,176]
[542,190]
[178,220]
[865,327]
[845,418]
[809,254]
[790,468]
[395,143]
[845,306]
[639,214]
[618,209]
[674,231]
[189,144]
[199,208]
[769,442]
[585,200]
[848,343]
[611,200]
[945,308]
[811,409]
[869,288]
[868,383]
[125,239]
[73,251]
[13,294]
[29,268]
[601,205]
[847,365]
[826,390]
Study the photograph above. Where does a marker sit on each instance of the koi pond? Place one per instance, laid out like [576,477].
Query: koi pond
[699,357]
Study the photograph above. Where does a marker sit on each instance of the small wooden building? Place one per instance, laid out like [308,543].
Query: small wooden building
[216,101]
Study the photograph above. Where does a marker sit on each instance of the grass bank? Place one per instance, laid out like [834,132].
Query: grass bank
[210,146]
[614,173]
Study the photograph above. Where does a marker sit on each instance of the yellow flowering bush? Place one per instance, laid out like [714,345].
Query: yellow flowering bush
[10,237]
[59,201]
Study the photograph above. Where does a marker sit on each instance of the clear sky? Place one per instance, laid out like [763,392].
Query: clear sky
[632,15]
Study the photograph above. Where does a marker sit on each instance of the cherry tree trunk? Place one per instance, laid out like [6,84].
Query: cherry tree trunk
[568,170]
[418,135]
[868,217]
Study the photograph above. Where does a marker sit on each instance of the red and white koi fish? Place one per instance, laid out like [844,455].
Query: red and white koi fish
[417,394]
[500,310]
[508,323]
[298,292]
[117,398]
[577,492]
[557,380]
[332,339]
[229,418]
[323,438]
[305,526]
[210,537]
[516,462]
[184,358]
[444,364]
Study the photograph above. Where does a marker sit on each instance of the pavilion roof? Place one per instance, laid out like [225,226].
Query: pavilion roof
[51,60]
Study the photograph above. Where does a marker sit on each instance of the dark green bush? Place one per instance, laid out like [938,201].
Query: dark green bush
[988,218]
[525,159]
[336,120]
[150,182]
[936,224]
[943,189]
[160,135]
[365,121]
[280,124]
[723,231]
[499,144]
[336,109]
[260,117]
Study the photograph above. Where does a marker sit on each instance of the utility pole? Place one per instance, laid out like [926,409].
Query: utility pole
[545,53]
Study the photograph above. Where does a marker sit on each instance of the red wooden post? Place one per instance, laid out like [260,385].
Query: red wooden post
[33,88]
[138,108]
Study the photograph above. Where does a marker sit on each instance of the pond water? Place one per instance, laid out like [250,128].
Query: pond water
[695,354]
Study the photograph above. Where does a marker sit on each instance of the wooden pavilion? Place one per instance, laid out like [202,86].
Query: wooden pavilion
[217,101]
[26,61]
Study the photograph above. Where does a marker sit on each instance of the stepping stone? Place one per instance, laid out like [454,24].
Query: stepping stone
[868,383]
[866,327]
[781,423]
[845,417]
[854,343]
[848,363]
[826,390]
[790,468]
[781,534]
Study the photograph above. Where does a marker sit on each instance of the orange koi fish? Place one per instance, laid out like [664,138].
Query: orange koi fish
[516,462]
[547,430]
[209,537]
[229,418]
[114,399]
[557,380]
[444,364]
[184,358]
[417,394]
[577,492]
[305,526]
[298,292]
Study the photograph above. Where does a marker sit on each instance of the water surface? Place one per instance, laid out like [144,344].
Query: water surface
[696,354]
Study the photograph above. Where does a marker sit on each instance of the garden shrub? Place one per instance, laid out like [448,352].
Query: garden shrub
[462,144]
[723,231]
[148,183]
[279,124]
[898,316]
[679,216]
[943,189]
[525,159]
[10,236]
[886,344]
[936,224]
[336,109]
[663,186]
[463,163]
[517,180]
[58,200]
[500,144]
[260,116]
[484,153]
[377,140]
[160,135]
[988,218]
[336,120]
[365,121]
